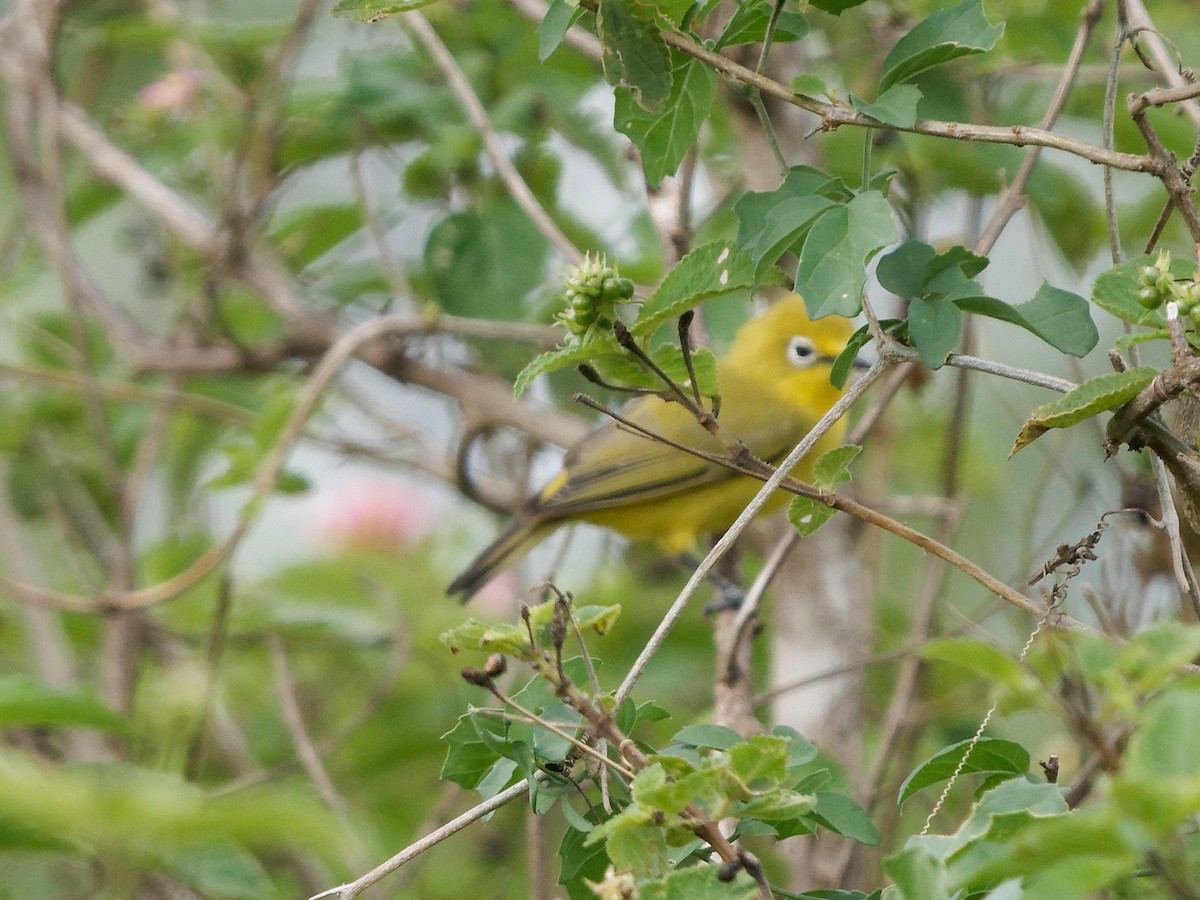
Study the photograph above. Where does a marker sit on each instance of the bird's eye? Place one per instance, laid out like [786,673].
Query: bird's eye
[800,352]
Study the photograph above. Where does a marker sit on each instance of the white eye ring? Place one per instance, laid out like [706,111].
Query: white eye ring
[801,352]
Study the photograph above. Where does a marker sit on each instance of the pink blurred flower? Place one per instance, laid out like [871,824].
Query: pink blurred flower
[498,599]
[172,92]
[371,511]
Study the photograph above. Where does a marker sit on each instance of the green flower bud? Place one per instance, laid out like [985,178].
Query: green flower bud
[1150,298]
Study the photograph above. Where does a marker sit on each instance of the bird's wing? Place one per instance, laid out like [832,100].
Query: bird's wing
[615,467]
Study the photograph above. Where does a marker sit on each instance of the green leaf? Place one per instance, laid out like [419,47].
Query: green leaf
[468,756]
[807,515]
[1125,341]
[989,756]
[635,55]
[935,328]
[669,358]
[1060,318]
[771,222]
[708,271]
[665,135]
[374,10]
[840,371]
[579,860]
[836,7]
[839,245]
[918,874]
[311,231]
[559,17]
[895,106]
[832,468]
[776,805]
[1155,656]
[980,657]
[948,34]
[840,814]
[1163,747]
[748,25]
[1094,396]
[809,86]
[699,883]
[565,357]
[548,745]
[716,737]
[800,750]
[485,262]
[223,871]
[762,758]
[830,472]
[599,619]
[1117,290]
[26,701]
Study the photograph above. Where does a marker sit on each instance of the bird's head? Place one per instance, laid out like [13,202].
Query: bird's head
[785,349]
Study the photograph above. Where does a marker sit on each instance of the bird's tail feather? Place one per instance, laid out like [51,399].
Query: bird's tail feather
[513,542]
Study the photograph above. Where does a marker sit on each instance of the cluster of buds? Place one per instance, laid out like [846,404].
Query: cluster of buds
[1157,286]
[593,290]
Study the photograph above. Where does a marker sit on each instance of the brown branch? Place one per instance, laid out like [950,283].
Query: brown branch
[835,115]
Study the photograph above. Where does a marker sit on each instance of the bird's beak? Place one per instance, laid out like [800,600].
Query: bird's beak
[862,363]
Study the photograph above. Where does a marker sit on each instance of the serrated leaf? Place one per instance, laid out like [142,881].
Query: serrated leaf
[699,883]
[833,261]
[635,55]
[948,34]
[832,468]
[830,471]
[807,515]
[598,618]
[465,636]
[1116,290]
[760,759]
[706,272]
[669,358]
[1060,318]
[564,357]
[559,17]
[896,106]
[988,756]
[777,805]
[1094,396]
[665,135]
[1125,341]
[374,10]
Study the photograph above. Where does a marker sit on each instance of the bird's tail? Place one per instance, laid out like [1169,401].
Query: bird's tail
[517,539]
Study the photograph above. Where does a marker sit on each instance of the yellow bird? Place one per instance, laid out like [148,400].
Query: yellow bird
[774,385]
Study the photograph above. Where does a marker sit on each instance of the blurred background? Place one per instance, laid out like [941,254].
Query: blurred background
[224,568]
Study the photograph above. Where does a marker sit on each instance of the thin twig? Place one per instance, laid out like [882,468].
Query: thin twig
[508,173]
